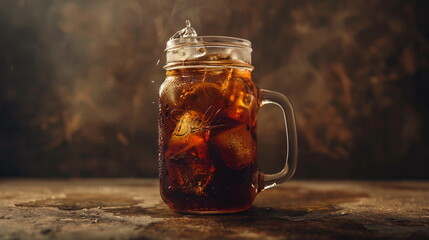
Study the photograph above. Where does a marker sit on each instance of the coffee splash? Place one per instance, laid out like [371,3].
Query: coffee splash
[188,31]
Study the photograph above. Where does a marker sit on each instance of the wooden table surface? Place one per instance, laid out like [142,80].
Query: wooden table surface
[132,209]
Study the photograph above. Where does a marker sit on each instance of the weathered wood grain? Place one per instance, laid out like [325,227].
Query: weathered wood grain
[132,209]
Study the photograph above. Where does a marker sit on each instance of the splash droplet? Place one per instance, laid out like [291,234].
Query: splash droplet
[188,31]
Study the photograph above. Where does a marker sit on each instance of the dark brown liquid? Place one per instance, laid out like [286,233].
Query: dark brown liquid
[207,145]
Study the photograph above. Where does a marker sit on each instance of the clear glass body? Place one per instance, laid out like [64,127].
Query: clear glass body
[207,130]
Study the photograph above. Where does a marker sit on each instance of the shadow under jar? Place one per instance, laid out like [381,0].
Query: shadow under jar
[208,108]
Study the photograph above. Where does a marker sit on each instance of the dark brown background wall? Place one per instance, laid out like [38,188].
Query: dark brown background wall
[79,83]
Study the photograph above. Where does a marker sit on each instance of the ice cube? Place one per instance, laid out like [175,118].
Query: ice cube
[239,98]
[236,147]
[190,122]
[171,90]
[189,133]
[189,167]
[203,97]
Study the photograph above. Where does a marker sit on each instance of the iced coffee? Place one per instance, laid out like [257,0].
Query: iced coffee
[207,126]
[208,139]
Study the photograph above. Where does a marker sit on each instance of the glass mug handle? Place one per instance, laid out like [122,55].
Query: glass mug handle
[271,180]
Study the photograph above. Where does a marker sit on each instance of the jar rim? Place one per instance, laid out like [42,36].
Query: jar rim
[200,41]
